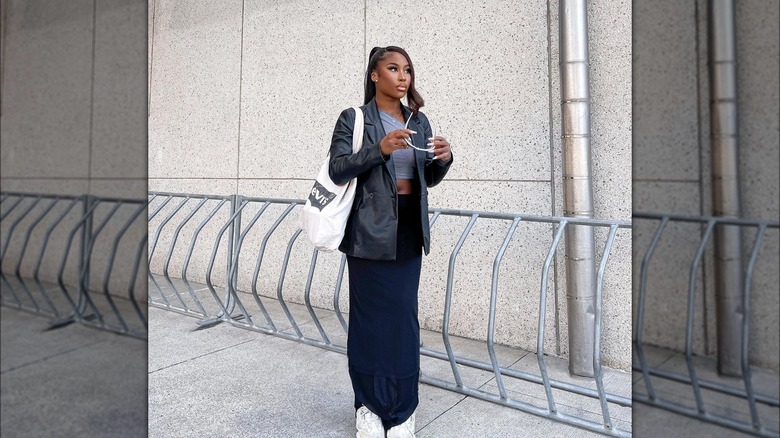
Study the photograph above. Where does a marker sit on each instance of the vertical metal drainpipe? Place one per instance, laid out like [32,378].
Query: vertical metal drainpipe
[577,187]
[725,183]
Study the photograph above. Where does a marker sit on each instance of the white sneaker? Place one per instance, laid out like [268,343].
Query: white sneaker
[368,424]
[403,430]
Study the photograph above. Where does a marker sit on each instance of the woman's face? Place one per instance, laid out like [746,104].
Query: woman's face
[393,76]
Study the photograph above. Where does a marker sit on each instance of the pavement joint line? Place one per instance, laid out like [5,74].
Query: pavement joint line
[671,356]
[639,377]
[510,366]
[52,356]
[202,355]
[175,290]
[309,323]
[464,397]
[545,399]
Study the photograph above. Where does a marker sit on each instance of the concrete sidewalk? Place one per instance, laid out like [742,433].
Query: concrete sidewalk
[73,381]
[653,421]
[223,381]
[228,382]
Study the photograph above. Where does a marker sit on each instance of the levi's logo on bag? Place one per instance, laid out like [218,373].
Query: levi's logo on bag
[320,196]
[325,229]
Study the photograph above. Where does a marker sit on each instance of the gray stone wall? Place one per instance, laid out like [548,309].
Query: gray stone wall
[244,97]
[73,111]
[672,162]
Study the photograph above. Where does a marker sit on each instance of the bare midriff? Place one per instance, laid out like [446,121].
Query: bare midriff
[405,187]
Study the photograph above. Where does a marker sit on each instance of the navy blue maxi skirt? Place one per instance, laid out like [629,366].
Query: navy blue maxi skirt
[383,344]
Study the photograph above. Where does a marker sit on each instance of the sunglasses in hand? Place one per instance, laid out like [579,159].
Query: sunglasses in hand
[409,142]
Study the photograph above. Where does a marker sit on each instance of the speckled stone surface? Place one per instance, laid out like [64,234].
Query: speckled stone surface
[195,92]
[674,40]
[46,96]
[150,13]
[203,186]
[668,271]
[759,123]
[302,65]
[496,98]
[54,252]
[135,188]
[609,27]
[666,142]
[119,120]
[505,196]
[74,122]
[47,186]
[759,104]
[616,296]
[124,254]
[483,70]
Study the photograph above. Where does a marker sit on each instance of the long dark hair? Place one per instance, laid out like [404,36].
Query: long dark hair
[379,53]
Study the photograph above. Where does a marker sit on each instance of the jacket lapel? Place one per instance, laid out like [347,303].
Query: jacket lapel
[418,140]
[376,132]
[374,129]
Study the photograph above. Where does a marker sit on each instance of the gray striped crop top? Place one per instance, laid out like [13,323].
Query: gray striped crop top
[403,159]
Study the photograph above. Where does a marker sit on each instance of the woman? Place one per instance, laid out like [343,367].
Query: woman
[386,230]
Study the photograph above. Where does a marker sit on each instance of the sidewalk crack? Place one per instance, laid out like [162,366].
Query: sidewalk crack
[202,355]
[51,357]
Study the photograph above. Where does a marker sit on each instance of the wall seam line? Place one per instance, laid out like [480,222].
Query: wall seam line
[92,97]
[4,19]
[240,94]
[552,174]
[151,61]
[697,49]
[365,38]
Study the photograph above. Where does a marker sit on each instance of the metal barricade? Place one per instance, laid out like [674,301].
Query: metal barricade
[43,273]
[752,423]
[241,297]
[175,299]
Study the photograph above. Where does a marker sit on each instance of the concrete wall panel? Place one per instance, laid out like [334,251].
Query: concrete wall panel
[665,75]
[508,196]
[609,25]
[482,68]
[119,118]
[485,72]
[46,96]
[74,123]
[194,102]
[669,268]
[758,37]
[302,64]
[204,186]
[674,46]
[610,164]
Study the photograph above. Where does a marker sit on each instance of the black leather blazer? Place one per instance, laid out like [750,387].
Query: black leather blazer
[372,226]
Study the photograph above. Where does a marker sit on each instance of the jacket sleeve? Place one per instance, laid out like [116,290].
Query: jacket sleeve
[435,170]
[344,165]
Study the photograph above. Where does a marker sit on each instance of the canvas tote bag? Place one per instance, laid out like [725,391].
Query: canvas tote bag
[324,216]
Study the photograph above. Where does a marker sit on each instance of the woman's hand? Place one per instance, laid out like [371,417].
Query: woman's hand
[441,148]
[395,140]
